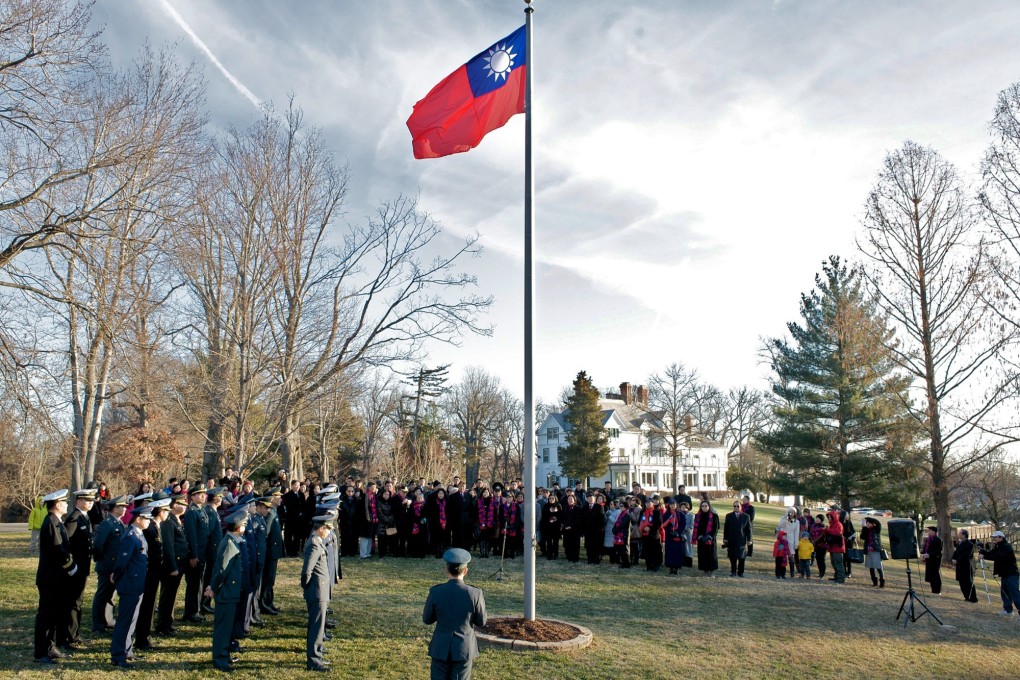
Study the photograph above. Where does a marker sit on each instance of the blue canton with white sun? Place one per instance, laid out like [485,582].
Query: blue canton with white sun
[489,69]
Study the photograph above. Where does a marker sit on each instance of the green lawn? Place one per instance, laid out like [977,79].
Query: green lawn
[645,625]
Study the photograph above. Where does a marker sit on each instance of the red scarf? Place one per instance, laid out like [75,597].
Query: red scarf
[485,513]
[371,508]
[646,522]
[700,530]
[441,502]
[416,526]
[620,530]
[671,526]
[511,522]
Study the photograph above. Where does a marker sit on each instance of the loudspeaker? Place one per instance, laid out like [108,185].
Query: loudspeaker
[902,539]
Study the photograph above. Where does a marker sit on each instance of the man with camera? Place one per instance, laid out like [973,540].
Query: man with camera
[1004,560]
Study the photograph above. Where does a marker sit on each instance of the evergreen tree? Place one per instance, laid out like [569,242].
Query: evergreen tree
[844,431]
[587,451]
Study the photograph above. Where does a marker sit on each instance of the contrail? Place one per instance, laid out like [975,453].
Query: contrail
[212,57]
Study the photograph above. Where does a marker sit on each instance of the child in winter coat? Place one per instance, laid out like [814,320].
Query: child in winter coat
[781,551]
[805,548]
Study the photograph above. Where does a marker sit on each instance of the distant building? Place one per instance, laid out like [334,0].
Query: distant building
[638,451]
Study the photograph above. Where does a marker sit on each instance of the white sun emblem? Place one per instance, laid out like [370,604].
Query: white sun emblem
[499,62]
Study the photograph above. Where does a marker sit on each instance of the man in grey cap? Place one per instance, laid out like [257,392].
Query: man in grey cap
[455,608]
[315,583]
[230,565]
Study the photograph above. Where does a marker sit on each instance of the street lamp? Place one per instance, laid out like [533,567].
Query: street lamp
[187,465]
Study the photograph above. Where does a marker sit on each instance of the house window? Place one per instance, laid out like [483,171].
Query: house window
[622,453]
[552,434]
[614,432]
[667,480]
[620,480]
[648,480]
[545,455]
[690,479]
[709,478]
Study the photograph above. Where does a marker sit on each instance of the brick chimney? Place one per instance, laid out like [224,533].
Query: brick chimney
[625,392]
[642,395]
[689,423]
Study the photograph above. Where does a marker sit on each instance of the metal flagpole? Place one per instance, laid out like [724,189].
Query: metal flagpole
[529,299]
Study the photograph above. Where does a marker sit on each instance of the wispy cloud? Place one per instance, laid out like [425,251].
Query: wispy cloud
[238,85]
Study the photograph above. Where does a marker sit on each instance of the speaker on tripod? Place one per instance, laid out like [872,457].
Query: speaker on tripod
[902,539]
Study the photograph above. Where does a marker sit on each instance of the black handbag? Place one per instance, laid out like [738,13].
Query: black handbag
[856,555]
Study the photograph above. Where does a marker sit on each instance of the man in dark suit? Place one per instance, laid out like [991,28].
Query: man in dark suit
[79,536]
[315,578]
[128,576]
[104,550]
[931,555]
[230,565]
[196,530]
[737,538]
[175,562]
[455,608]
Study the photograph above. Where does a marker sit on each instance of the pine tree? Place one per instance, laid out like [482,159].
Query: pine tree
[587,451]
[844,431]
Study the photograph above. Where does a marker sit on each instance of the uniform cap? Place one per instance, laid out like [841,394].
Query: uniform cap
[198,489]
[119,500]
[320,520]
[237,518]
[177,498]
[143,512]
[216,491]
[331,488]
[998,534]
[159,496]
[331,497]
[140,497]
[275,491]
[161,503]
[85,494]
[265,501]
[56,496]
[456,556]
[246,498]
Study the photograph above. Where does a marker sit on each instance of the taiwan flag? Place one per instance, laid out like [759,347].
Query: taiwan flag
[475,99]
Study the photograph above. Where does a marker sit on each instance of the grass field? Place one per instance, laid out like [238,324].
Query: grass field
[645,625]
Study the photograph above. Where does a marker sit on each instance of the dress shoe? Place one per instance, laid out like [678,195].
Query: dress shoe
[145,646]
[135,657]
[319,668]
[165,633]
[206,609]
[121,664]
[57,654]
[195,618]
[45,660]
[330,624]
[224,669]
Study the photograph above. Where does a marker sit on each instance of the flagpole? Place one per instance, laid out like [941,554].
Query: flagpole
[529,300]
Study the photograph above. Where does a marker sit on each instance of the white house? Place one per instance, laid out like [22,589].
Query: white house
[639,452]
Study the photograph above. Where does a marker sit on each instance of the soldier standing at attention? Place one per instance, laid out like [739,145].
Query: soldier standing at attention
[230,566]
[51,578]
[315,583]
[175,561]
[128,577]
[455,608]
[160,510]
[104,550]
[214,499]
[196,529]
[274,551]
[79,537]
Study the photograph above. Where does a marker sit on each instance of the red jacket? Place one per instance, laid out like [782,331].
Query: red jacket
[834,534]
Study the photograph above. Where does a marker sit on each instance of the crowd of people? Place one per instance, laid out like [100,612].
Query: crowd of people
[225,542]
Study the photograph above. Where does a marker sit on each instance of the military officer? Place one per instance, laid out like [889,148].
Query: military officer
[159,508]
[274,551]
[104,550]
[315,579]
[129,571]
[230,567]
[52,578]
[175,561]
[257,532]
[242,621]
[79,536]
[455,608]
[214,500]
[196,529]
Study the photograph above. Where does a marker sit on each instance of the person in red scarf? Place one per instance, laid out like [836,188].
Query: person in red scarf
[369,524]
[511,525]
[836,546]
[551,524]
[818,539]
[650,525]
[781,551]
[486,513]
[418,532]
[674,523]
[706,528]
[571,521]
[439,522]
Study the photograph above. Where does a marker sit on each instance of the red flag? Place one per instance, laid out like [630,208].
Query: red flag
[475,99]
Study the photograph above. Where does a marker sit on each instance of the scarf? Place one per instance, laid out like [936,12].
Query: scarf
[745,507]
[441,502]
[924,550]
[416,525]
[671,526]
[486,513]
[703,527]
[511,523]
[647,517]
[372,509]
[620,528]
[781,550]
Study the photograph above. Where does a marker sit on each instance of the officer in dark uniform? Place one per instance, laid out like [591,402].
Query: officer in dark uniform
[175,561]
[79,536]
[104,550]
[274,551]
[315,579]
[129,571]
[257,531]
[214,500]
[455,608]
[230,567]
[52,578]
[196,528]
[159,508]
[242,621]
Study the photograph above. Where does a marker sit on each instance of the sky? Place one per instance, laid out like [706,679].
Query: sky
[695,160]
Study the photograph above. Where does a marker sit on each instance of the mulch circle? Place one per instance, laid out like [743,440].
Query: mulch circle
[530,631]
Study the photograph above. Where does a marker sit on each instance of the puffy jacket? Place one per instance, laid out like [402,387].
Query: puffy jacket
[834,534]
[38,514]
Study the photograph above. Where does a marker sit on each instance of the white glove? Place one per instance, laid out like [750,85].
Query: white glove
[74,570]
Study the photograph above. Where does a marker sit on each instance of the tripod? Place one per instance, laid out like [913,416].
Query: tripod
[500,574]
[911,603]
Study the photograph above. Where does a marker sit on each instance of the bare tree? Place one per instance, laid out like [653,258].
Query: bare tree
[376,406]
[930,271]
[746,415]
[992,487]
[673,395]
[474,405]
[506,438]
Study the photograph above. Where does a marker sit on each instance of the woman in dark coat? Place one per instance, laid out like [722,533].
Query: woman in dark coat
[386,533]
[487,507]
[651,536]
[571,527]
[348,511]
[550,528]
[417,526]
[439,522]
[674,523]
[706,528]
[963,558]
